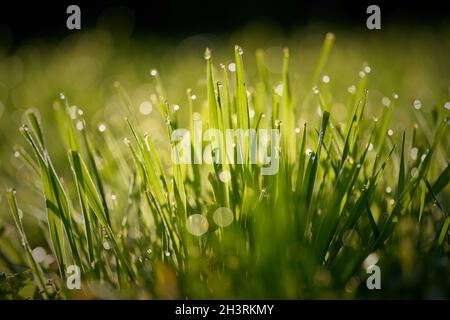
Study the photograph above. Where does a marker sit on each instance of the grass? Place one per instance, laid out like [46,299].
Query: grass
[347,192]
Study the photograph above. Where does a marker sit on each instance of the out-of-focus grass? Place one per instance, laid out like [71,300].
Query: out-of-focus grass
[364,181]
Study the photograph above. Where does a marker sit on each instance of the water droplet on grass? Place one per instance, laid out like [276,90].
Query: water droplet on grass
[223,217]
[367,69]
[315,90]
[370,260]
[413,153]
[417,104]
[351,89]
[79,125]
[279,89]
[39,254]
[197,224]
[232,67]
[447,105]
[145,107]
[106,245]
[176,107]
[386,101]
[390,132]
[101,127]
[207,54]
[225,176]
[326,79]
[153,72]
[73,112]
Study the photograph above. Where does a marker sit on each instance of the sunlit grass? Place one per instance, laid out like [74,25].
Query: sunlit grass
[348,189]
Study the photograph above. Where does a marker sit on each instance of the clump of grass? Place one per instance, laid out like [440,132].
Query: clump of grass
[305,232]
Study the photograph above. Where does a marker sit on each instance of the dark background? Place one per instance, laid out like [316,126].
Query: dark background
[28,19]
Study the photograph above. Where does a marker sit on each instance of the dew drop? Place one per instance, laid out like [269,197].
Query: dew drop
[73,112]
[17,154]
[370,260]
[279,89]
[176,107]
[207,54]
[232,67]
[225,176]
[417,104]
[367,69]
[145,107]
[106,245]
[351,89]
[197,224]
[297,130]
[388,189]
[362,74]
[447,105]
[386,101]
[62,96]
[79,125]
[153,72]
[315,90]
[223,217]
[413,153]
[414,172]
[326,79]
[101,127]
[39,254]
[390,132]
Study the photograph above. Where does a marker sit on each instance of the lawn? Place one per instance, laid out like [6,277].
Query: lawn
[342,165]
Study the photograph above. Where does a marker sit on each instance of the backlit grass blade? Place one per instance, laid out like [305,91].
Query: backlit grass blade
[36,269]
